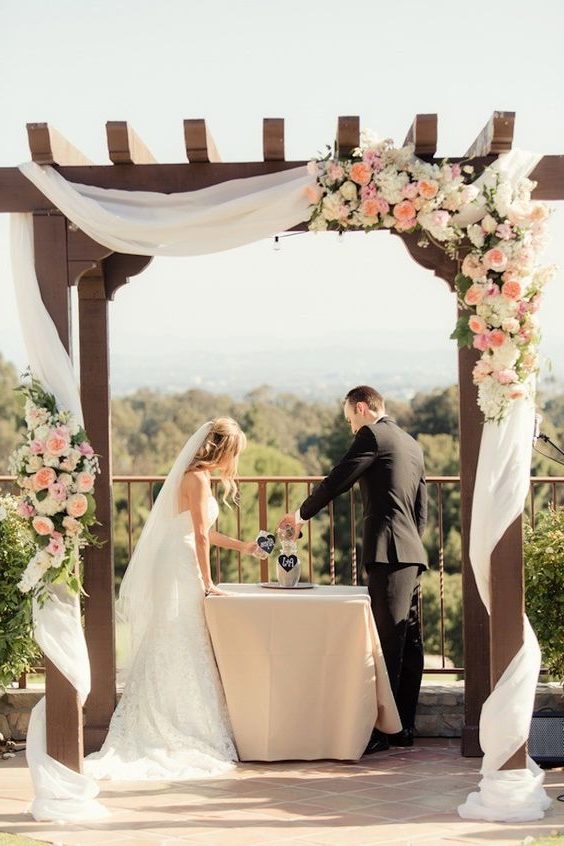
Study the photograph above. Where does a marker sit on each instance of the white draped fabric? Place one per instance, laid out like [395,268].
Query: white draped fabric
[235,213]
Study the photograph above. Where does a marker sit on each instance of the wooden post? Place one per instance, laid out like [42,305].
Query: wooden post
[63,708]
[476,621]
[98,562]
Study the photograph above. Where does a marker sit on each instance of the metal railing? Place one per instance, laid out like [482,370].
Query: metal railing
[329,548]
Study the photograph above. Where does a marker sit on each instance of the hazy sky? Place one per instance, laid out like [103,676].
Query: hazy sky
[77,65]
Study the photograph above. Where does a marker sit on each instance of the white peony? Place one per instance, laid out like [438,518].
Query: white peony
[476,235]
[503,198]
[348,190]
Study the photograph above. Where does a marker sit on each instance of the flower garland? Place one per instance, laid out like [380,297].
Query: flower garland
[56,469]
[499,283]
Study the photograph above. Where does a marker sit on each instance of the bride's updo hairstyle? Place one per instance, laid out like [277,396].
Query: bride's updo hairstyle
[221,451]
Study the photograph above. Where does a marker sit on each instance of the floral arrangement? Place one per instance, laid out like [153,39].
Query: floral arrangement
[499,282]
[56,469]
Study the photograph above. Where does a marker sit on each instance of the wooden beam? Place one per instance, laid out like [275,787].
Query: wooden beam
[423,134]
[125,146]
[18,194]
[200,146]
[47,146]
[348,135]
[496,137]
[273,139]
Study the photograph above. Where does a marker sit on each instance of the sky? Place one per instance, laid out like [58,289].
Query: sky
[233,62]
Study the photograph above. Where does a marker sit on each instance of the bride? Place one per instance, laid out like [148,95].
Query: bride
[171,721]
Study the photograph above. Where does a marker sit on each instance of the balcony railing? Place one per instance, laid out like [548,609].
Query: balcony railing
[330,548]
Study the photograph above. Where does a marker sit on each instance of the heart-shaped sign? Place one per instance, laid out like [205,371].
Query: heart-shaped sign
[266,543]
[288,562]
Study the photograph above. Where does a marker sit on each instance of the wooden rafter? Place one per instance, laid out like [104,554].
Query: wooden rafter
[200,146]
[496,137]
[125,146]
[49,147]
[273,139]
[423,134]
[348,134]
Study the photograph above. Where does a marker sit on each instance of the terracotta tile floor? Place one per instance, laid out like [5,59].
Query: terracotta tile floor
[400,797]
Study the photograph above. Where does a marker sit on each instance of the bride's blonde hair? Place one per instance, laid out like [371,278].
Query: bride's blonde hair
[221,450]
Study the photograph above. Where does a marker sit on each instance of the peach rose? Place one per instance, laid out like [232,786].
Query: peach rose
[511,290]
[428,188]
[85,481]
[370,207]
[481,342]
[474,295]
[313,194]
[497,338]
[472,266]
[77,505]
[43,478]
[42,525]
[495,259]
[56,443]
[72,526]
[404,211]
[360,173]
[477,324]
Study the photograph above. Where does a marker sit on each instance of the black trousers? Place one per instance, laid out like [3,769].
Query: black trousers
[394,595]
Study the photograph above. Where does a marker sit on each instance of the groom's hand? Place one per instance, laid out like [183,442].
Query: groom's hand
[290,520]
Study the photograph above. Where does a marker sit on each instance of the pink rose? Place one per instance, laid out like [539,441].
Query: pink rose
[474,295]
[506,376]
[361,173]
[477,324]
[373,160]
[428,188]
[85,448]
[42,525]
[58,492]
[511,290]
[456,170]
[481,342]
[368,192]
[77,505]
[313,194]
[43,478]
[56,545]
[404,211]
[25,509]
[37,447]
[85,481]
[495,259]
[410,191]
[505,232]
[335,171]
[383,205]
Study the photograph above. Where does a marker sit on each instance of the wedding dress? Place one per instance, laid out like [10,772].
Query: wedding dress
[171,721]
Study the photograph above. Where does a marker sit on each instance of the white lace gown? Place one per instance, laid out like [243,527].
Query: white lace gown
[171,721]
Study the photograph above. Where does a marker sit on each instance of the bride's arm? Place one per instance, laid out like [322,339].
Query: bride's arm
[226,542]
[195,494]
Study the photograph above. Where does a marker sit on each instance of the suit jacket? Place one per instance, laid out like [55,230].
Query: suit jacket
[388,464]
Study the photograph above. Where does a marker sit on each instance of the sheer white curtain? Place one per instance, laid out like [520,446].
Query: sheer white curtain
[240,211]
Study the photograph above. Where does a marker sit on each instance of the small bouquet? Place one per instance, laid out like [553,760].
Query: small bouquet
[56,468]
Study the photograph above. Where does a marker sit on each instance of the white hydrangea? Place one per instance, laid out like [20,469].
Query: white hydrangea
[391,184]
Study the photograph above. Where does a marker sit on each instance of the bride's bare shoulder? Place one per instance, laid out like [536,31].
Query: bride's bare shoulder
[195,481]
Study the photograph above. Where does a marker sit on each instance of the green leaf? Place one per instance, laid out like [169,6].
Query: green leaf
[462,333]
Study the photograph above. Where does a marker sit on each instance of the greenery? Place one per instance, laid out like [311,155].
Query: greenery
[18,651]
[544,573]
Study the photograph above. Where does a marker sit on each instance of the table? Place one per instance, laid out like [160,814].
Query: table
[303,671]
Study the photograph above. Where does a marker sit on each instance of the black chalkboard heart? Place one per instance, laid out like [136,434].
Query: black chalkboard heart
[288,562]
[266,543]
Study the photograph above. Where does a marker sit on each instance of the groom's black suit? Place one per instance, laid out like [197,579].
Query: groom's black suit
[388,465]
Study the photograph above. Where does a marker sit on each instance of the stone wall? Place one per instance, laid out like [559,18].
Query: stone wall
[440,712]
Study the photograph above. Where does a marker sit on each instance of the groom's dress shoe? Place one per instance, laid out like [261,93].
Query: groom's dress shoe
[378,743]
[402,738]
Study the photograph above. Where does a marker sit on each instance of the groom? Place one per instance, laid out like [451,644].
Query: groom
[388,464]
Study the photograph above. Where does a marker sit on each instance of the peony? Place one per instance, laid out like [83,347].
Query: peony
[25,509]
[505,232]
[428,188]
[84,482]
[56,545]
[511,290]
[510,324]
[77,505]
[477,324]
[495,259]
[43,478]
[360,173]
[58,492]
[313,194]
[43,525]
[475,294]
[348,190]
[330,210]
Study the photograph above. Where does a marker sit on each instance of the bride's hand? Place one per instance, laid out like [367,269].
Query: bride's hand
[249,548]
[213,590]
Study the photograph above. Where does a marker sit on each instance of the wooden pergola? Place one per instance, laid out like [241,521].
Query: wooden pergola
[64,257]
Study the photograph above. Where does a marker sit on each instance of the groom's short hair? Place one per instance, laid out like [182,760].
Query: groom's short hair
[364,393]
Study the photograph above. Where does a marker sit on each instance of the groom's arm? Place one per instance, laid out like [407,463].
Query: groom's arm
[342,477]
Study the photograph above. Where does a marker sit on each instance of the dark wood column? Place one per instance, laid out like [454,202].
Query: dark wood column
[475,617]
[64,712]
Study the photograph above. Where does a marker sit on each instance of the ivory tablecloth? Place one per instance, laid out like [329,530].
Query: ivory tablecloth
[303,671]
